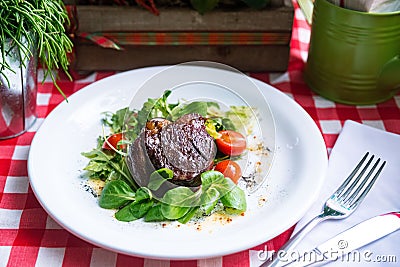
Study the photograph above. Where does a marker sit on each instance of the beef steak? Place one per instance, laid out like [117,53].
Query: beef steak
[184,146]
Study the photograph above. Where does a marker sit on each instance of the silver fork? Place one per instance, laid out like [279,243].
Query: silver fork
[341,203]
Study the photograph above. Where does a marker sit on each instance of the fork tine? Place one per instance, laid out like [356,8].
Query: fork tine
[339,191]
[356,180]
[351,197]
[362,196]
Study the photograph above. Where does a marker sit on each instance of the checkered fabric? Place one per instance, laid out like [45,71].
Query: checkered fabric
[29,237]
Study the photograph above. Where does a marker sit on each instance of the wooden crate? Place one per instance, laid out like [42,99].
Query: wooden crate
[270,53]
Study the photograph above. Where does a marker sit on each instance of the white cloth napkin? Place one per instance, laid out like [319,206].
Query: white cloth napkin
[353,142]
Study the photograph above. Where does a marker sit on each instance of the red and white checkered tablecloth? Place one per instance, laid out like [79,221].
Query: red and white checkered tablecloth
[29,237]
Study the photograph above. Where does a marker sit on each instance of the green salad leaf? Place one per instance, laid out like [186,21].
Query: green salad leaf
[155,214]
[212,128]
[116,194]
[177,202]
[120,120]
[158,177]
[143,193]
[108,166]
[216,187]
[133,211]
[216,180]
[235,198]
[209,200]
[240,117]
[192,107]
[154,108]
[189,215]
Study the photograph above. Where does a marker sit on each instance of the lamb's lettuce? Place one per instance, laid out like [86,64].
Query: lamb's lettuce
[116,194]
[179,203]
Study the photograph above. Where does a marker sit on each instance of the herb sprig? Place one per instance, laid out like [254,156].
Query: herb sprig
[41,24]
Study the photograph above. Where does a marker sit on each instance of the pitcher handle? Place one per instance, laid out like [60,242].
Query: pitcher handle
[307,7]
[389,78]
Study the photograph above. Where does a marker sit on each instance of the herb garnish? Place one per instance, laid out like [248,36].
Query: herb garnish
[41,24]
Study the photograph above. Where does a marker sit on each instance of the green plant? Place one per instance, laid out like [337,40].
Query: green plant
[41,24]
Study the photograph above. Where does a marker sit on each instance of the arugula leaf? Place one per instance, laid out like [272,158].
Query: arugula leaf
[97,155]
[153,108]
[133,211]
[115,194]
[143,114]
[101,170]
[108,166]
[123,120]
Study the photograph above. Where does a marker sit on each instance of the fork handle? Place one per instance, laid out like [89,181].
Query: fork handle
[294,240]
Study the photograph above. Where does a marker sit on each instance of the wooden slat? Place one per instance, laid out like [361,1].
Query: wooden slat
[245,58]
[125,19]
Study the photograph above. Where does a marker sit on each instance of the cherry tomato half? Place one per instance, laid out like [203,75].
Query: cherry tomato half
[231,143]
[113,141]
[230,169]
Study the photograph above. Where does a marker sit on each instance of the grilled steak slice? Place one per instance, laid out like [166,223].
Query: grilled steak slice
[190,150]
[184,146]
[138,159]
[153,142]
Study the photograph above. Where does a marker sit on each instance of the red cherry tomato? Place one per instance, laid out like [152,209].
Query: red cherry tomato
[230,169]
[231,143]
[113,140]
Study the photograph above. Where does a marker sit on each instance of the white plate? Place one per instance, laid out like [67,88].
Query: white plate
[55,165]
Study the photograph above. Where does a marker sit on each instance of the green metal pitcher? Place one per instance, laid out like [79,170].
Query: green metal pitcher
[354,57]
